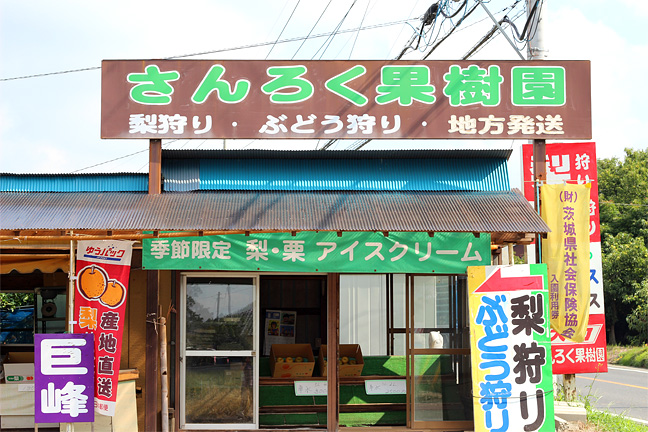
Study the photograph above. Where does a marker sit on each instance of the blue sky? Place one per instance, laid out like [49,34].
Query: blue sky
[51,123]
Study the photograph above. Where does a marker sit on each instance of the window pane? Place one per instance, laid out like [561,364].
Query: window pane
[399,344]
[399,301]
[50,313]
[363,312]
[220,314]
[432,311]
[17,325]
[219,390]
[442,388]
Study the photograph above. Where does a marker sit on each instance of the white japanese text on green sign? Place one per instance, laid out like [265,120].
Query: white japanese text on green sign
[349,252]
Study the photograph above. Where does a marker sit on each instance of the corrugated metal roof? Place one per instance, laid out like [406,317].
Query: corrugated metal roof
[273,210]
[338,154]
[118,182]
[387,174]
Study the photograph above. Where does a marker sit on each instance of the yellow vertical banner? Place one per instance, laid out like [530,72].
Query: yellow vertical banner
[565,208]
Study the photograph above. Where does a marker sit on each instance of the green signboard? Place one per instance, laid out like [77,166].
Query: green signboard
[349,252]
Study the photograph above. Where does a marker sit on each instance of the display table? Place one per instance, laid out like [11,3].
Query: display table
[17,408]
[278,404]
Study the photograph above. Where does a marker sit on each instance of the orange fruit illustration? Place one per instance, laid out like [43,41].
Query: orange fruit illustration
[92,281]
[114,294]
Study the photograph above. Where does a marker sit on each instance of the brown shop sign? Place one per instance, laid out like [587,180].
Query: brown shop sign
[204,99]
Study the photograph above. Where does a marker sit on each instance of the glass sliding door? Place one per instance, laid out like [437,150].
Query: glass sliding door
[219,351]
[438,357]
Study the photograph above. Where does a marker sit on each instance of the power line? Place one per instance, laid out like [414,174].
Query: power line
[121,157]
[51,73]
[313,28]
[483,41]
[358,33]
[237,48]
[282,30]
[108,161]
[490,36]
[335,32]
[526,30]
[466,15]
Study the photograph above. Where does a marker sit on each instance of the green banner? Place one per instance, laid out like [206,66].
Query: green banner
[351,252]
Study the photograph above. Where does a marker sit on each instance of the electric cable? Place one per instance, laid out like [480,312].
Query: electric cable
[492,34]
[329,39]
[313,28]
[523,36]
[116,159]
[456,12]
[282,30]
[108,161]
[483,41]
[427,19]
[537,22]
[401,32]
[237,48]
[358,33]
[466,15]
[277,20]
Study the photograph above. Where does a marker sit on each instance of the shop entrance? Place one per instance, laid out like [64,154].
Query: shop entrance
[219,351]
[408,333]
[439,395]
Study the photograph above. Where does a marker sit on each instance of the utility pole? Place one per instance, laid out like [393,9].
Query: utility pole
[536,51]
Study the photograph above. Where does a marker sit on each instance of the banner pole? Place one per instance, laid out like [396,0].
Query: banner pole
[71,281]
[70,321]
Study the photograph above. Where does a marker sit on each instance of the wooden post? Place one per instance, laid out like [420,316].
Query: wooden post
[164,375]
[155,167]
[332,352]
[539,175]
[152,294]
[569,387]
[151,374]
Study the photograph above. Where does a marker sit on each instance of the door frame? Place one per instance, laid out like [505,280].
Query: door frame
[411,352]
[182,352]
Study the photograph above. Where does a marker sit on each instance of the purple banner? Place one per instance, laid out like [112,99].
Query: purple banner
[64,378]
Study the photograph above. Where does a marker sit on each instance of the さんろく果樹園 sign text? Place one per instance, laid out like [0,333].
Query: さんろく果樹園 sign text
[266,99]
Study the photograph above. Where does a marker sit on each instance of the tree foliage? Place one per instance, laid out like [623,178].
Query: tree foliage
[625,266]
[638,318]
[11,301]
[623,197]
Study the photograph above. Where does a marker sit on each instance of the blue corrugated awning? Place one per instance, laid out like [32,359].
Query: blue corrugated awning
[110,182]
[378,170]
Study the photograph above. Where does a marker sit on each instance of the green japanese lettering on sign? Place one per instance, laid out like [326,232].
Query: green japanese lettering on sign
[473,85]
[352,252]
[153,87]
[538,85]
[288,77]
[405,84]
[213,81]
[337,85]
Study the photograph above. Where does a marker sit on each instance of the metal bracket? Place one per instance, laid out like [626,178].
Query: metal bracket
[499,27]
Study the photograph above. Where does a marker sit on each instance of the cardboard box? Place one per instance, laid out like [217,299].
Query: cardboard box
[18,368]
[350,351]
[20,357]
[284,369]
[19,373]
